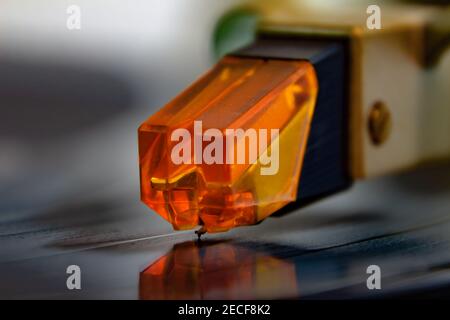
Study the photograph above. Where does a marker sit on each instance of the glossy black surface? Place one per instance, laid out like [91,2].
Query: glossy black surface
[401,224]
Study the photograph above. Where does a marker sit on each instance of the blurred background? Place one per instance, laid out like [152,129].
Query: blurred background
[71,102]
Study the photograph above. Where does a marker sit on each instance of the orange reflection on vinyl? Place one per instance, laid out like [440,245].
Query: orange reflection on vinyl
[217,271]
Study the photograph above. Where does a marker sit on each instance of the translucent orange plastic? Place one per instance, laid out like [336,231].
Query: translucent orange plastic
[237,94]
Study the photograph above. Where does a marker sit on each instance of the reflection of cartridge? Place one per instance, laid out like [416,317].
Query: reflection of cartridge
[300,113]
[217,271]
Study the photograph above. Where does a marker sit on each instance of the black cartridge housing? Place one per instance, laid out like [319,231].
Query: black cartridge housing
[325,167]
